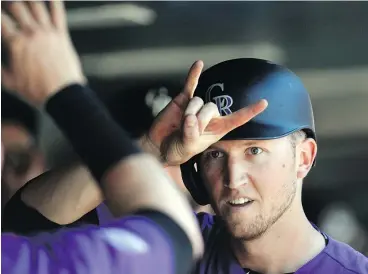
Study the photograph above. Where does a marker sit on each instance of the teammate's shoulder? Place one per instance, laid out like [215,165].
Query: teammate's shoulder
[206,220]
[209,224]
[347,257]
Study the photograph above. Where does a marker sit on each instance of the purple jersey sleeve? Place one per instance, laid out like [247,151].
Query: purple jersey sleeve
[129,245]
[104,214]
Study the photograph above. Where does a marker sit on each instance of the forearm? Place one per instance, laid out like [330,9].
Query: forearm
[63,195]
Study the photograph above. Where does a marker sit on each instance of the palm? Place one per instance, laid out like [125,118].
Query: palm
[34,73]
[168,121]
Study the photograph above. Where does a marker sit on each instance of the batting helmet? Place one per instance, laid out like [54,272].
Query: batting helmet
[238,83]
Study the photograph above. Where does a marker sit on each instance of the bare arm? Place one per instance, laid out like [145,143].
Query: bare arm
[63,195]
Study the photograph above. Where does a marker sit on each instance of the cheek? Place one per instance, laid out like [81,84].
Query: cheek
[270,178]
[212,178]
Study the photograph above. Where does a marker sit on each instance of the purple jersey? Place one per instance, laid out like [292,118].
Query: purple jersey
[129,245]
[104,214]
[336,258]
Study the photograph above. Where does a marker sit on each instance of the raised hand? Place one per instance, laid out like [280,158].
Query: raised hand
[187,126]
[42,58]
[170,118]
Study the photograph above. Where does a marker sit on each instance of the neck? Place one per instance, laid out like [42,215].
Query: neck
[286,246]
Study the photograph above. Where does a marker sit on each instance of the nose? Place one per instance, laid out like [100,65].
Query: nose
[236,174]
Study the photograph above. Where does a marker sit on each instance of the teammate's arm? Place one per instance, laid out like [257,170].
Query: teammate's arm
[65,196]
[127,189]
[60,196]
[134,244]
[50,71]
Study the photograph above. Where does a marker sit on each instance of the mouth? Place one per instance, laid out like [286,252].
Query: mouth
[240,202]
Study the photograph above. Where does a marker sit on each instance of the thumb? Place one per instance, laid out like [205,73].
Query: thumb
[190,129]
[6,79]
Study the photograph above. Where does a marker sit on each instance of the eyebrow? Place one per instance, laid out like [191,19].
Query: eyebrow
[248,144]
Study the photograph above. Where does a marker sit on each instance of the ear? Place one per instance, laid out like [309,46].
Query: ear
[307,151]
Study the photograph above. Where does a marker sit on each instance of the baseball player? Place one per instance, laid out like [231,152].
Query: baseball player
[251,172]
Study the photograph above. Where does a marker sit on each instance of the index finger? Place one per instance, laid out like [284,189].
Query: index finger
[58,15]
[192,79]
[243,115]
[183,98]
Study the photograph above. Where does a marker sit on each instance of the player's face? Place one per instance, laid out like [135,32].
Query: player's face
[251,183]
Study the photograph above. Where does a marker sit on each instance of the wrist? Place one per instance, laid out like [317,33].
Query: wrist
[52,88]
[85,121]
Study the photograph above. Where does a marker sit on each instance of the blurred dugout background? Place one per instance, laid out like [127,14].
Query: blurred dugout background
[136,55]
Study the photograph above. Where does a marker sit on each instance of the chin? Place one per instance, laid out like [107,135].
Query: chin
[247,230]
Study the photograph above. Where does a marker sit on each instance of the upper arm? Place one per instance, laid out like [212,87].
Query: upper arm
[130,245]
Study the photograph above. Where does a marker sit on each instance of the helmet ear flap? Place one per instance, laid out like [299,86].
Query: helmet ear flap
[193,182]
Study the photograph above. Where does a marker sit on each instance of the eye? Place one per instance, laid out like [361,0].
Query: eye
[215,154]
[254,150]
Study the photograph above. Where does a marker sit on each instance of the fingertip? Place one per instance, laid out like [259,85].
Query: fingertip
[264,103]
[199,63]
[260,106]
[196,67]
